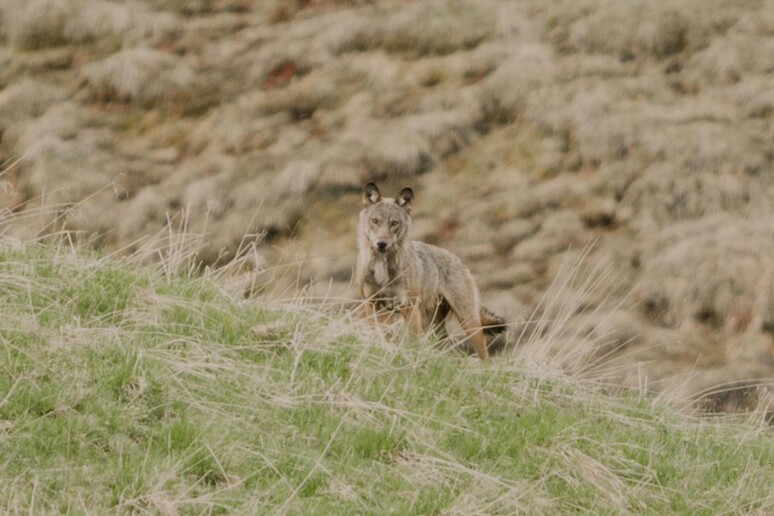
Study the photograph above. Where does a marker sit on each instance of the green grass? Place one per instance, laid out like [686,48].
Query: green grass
[125,390]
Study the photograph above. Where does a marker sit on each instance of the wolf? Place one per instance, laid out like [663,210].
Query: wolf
[422,282]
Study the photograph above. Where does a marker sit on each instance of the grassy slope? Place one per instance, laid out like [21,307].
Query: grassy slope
[125,390]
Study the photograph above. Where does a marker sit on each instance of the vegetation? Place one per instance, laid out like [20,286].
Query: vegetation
[526,129]
[132,389]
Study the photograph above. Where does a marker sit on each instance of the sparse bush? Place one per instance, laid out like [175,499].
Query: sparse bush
[755,96]
[729,59]
[697,178]
[404,146]
[141,75]
[632,31]
[506,93]
[600,132]
[561,230]
[321,89]
[237,127]
[27,99]
[717,271]
[60,122]
[426,28]
[37,24]
[667,192]
[638,29]
[184,7]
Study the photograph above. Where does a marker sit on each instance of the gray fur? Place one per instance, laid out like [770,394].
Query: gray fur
[423,282]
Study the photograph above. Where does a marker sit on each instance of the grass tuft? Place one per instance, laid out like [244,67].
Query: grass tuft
[135,389]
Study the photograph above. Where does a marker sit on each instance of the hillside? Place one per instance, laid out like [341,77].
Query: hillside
[529,131]
[131,389]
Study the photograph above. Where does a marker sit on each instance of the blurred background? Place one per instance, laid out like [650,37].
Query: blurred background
[632,140]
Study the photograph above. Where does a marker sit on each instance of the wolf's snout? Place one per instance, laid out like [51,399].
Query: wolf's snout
[381,246]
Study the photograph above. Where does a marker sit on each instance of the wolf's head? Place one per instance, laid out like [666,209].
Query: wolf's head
[384,222]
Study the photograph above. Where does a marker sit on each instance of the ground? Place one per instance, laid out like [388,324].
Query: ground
[636,138]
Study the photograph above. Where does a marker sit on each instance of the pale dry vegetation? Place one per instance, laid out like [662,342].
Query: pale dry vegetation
[141,76]
[720,272]
[528,128]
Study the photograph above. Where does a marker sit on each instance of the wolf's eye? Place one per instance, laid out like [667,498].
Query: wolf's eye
[394,224]
[374,221]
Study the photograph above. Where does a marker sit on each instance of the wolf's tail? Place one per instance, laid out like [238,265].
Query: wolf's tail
[493,324]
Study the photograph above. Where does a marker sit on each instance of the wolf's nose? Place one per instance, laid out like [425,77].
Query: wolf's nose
[381,245]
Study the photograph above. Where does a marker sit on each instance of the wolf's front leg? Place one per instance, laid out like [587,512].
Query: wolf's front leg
[384,322]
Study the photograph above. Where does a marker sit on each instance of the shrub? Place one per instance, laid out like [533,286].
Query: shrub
[140,75]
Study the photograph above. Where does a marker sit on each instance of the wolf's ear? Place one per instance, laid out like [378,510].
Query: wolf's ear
[371,194]
[405,197]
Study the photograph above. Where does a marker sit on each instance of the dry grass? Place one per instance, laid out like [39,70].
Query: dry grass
[38,24]
[526,128]
[434,27]
[27,99]
[140,75]
[644,29]
[730,281]
[136,389]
